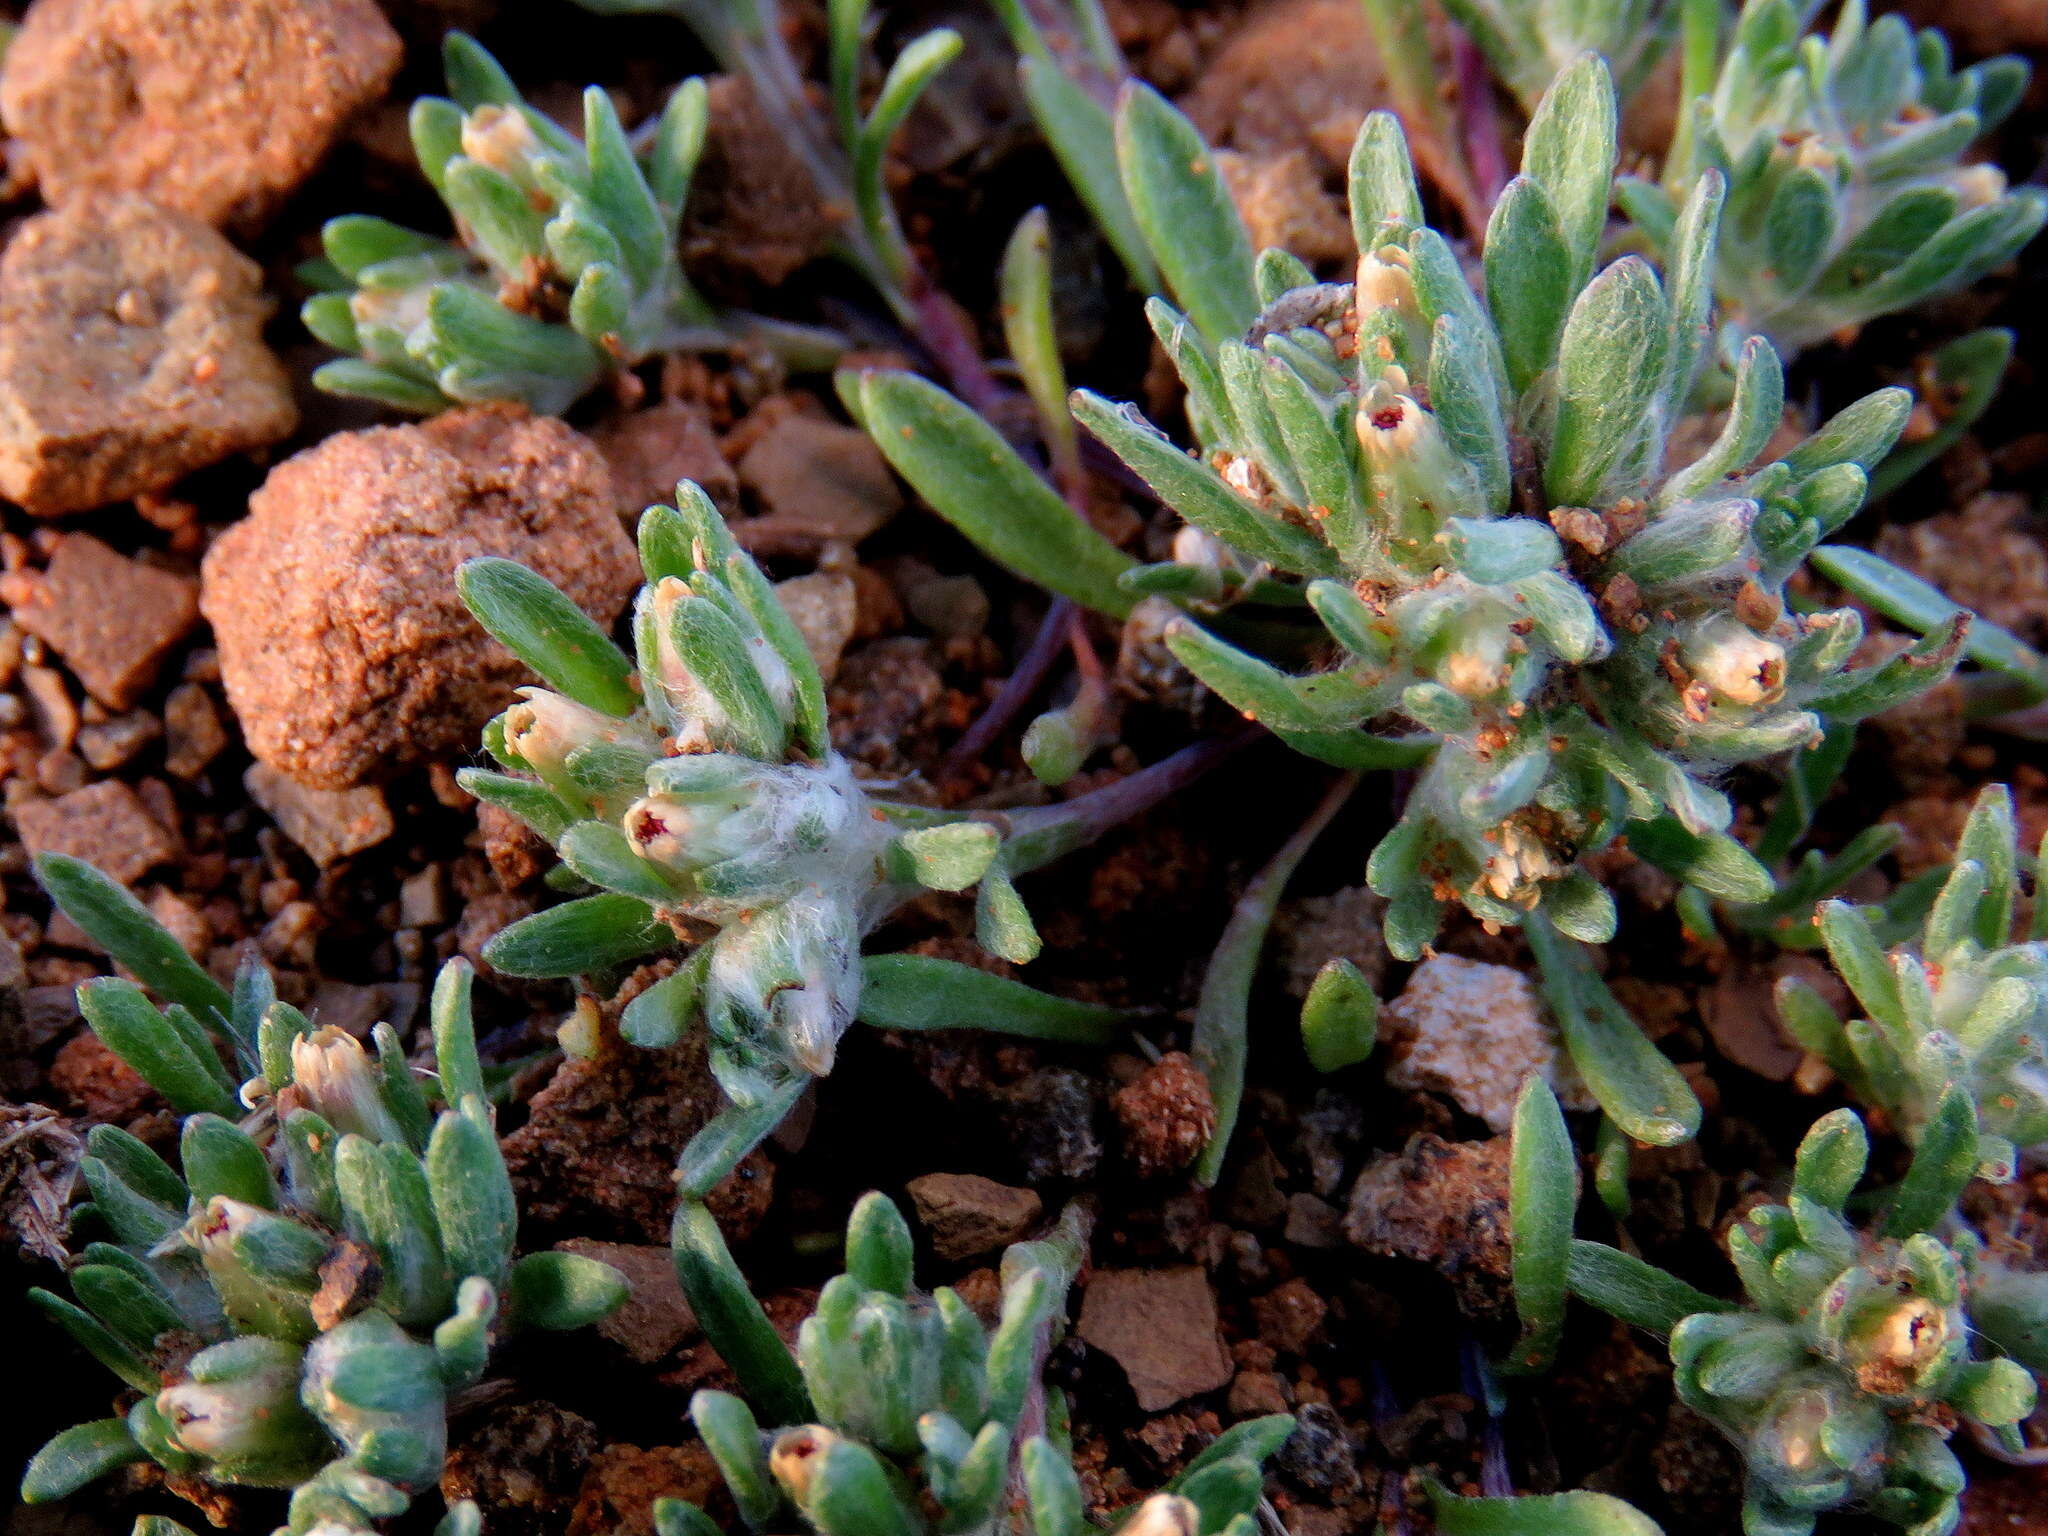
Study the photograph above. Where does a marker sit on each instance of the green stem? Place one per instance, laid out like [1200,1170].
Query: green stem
[1221,1014]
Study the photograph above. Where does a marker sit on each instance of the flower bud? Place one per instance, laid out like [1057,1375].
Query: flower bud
[690,834]
[1791,1439]
[1977,186]
[1164,1514]
[1392,330]
[1418,482]
[1519,863]
[342,1085]
[501,138]
[795,1456]
[238,1409]
[544,728]
[1736,665]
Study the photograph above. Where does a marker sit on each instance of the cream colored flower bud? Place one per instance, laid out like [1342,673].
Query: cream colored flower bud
[1736,664]
[1164,1514]
[501,138]
[685,834]
[544,728]
[794,1458]
[342,1085]
[1977,186]
[1911,1334]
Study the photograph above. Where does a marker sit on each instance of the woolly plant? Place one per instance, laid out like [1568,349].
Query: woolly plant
[295,1304]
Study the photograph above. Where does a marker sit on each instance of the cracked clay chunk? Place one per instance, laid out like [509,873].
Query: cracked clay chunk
[131,353]
[217,108]
[343,644]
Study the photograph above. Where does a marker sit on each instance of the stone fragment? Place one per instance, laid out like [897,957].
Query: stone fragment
[343,643]
[824,608]
[968,1215]
[626,1482]
[111,744]
[216,108]
[131,353]
[112,619]
[105,824]
[1441,1203]
[818,481]
[1159,1325]
[1254,1394]
[650,450]
[1297,75]
[193,734]
[656,1317]
[1290,1316]
[329,824]
[1475,1032]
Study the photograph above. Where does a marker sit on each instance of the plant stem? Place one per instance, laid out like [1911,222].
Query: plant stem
[1040,835]
[1222,1013]
[1018,688]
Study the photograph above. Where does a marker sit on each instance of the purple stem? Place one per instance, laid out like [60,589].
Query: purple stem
[953,348]
[1040,835]
[1494,1482]
[1479,122]
[1386,1409]
[1017,690]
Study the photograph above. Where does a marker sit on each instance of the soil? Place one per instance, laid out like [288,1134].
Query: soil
[268,761]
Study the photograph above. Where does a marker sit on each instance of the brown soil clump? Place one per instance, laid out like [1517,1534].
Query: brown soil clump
[217,108]
[343,643]
[131,353]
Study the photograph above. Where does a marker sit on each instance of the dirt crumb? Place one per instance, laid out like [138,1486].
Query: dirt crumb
[649,451]
[816,481]
[624,1481]
[1475,1031]
[525,1463]
[1167,1114]
[330,824]
[99,1084]
[754,215]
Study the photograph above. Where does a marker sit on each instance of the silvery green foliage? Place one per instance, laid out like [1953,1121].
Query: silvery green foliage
[296,1302]
[1470,491]
[1848,193]
[1853,1354]
[1963,1001]
[924,1421]
[697,787]
[564,264]
[1530,42]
